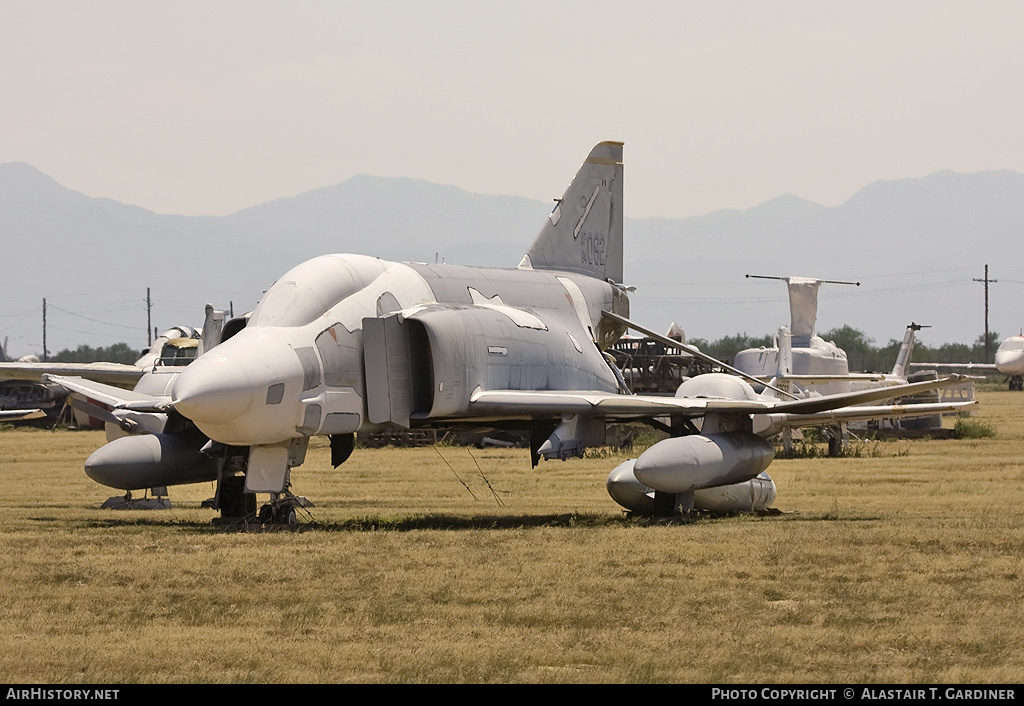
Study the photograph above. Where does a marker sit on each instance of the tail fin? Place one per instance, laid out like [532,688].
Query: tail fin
[906,351]
[785,360]
[584,231]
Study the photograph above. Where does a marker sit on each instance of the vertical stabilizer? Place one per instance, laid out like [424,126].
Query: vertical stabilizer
[803,307]
[584,231]
[785,361]
[906,351]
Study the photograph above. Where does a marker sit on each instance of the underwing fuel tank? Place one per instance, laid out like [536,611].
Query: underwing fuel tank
[151,460]
[754,495]
[688,463]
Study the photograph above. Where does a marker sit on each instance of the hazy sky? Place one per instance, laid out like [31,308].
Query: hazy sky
[208,107]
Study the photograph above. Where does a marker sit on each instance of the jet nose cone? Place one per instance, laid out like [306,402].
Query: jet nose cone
[1010,362]
[212,390]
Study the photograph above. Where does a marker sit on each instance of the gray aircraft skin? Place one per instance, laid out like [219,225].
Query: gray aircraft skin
[346,343]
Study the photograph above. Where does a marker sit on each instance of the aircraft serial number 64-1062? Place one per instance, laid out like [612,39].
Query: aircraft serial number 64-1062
[347,343]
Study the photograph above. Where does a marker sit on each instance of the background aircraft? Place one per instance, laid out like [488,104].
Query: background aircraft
[347,343]
[27,395]
[803,361]
[175,346]
[758,492]
[805,358]
[1009,362]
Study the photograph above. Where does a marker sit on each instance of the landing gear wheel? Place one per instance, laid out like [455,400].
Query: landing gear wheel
[285,515]
[278,513]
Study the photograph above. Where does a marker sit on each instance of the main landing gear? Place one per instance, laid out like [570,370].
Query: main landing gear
[238,506]
[281,510]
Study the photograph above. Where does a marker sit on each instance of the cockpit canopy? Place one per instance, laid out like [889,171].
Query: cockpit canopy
[308,290]
[179,351]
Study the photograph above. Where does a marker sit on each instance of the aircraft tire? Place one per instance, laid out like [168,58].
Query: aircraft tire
[286,515]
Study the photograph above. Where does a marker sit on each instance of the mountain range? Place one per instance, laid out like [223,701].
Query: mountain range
[916,246]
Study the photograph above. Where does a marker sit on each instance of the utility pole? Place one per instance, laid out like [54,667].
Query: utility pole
[44,330]
[986,281]
[149,319]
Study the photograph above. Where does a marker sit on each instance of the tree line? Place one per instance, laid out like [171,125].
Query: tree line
[861,352]
[117,353]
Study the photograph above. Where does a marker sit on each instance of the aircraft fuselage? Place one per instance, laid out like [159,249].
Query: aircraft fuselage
[1010,356]
[343,343]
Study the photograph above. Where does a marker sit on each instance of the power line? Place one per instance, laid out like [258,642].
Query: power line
[97,321]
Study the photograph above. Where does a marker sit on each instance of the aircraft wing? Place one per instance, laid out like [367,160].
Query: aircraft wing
[109,373]
[849,377]
[524,404]
[21,415]
[867,413]
[955,366]
[115,397]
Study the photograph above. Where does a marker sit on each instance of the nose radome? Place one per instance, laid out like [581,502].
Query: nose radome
[212,390]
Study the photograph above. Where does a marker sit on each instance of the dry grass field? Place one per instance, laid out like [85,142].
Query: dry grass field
[903,565]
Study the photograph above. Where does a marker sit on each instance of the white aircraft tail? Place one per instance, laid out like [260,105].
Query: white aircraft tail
[584,231]
[783,365]
[785,360]
[906,351]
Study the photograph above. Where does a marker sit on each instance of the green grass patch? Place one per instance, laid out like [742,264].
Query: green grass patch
[969,428]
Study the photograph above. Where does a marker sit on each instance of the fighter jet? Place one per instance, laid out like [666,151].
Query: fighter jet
[347,343]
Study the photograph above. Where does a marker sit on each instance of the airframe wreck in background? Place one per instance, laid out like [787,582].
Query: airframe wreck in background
[1009,360]
[26,396]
